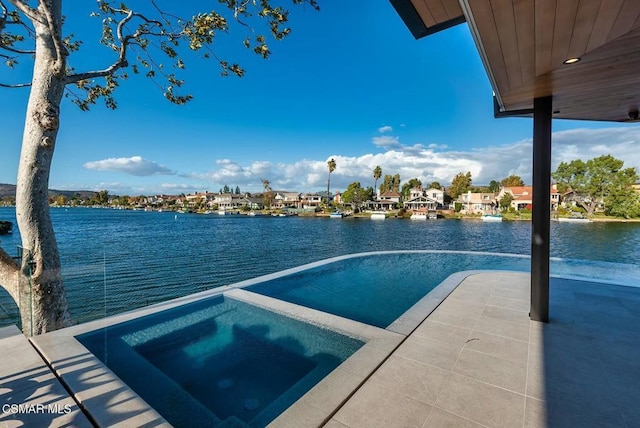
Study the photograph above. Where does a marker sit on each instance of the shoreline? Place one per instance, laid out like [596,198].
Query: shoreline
[365,215]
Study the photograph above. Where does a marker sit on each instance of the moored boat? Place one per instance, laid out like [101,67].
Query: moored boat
[492,217]
[378,215]
[419,216]
[336,214]
[573,220]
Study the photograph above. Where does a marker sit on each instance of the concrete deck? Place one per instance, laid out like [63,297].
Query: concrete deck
[478,360]
[475,361]
[30,394]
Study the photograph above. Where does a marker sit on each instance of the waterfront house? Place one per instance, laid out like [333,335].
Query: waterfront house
[250,202]
[421,203]
[478,203]
[197,198]
[224,201]
[287,200]
[337,198]
[385,201]
[523,197]
[437,195]
[310,200]
[420,199]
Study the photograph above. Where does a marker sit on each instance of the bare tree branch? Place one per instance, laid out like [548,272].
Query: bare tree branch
[18,51]
[124,45]
[166,15]
[30,12]
[15,85]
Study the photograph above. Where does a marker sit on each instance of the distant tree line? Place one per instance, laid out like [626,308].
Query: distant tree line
[599,182]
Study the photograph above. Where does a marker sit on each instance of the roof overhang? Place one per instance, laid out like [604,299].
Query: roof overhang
[425,17]
[525,45]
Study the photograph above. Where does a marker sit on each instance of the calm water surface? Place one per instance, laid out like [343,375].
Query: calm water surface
[119,260]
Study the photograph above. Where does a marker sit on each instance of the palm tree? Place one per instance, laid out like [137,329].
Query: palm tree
[377,173]
[266,184]
[331,163]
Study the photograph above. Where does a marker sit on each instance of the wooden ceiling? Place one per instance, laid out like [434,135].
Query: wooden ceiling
[435,12]
[524,43]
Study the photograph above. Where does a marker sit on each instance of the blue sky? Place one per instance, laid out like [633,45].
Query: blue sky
[349,83]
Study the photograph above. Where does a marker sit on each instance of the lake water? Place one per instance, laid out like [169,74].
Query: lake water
[119,260]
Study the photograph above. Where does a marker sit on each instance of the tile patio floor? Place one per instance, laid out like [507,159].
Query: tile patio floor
[478,360]
[26,380]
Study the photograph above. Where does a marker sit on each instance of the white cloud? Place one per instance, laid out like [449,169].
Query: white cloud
[516,158]
[436,162]
[437,146]
[118,188]
[386,141]
[176,186]
[622,143]
[134,165]
[384,129]
[432,162]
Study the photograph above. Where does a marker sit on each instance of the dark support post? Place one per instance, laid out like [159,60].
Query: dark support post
[542,112]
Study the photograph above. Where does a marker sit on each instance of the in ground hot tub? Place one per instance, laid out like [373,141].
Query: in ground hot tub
[219,360]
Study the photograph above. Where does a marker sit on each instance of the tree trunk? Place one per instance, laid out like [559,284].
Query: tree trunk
[589,207]
[9,274]
[42,300]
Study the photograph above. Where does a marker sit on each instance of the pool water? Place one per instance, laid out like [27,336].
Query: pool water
[219,361]
[377,288]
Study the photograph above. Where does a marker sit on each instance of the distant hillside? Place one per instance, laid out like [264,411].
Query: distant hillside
[9,190]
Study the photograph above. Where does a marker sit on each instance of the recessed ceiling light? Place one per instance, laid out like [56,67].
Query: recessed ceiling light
[571,60]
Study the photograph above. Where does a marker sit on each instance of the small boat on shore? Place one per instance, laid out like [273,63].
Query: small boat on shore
[572,220]
[492,217]
[336,214]
[423,215]
[6,227]
[419,216]
[378,215]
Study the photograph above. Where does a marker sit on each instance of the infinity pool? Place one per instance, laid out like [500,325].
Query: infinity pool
[377,288]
